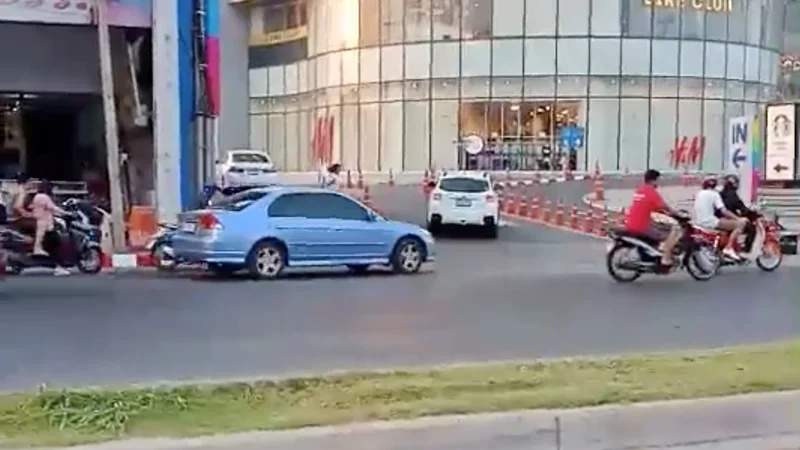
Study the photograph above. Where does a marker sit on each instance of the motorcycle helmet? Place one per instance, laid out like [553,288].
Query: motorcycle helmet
[732,180]
[709,183]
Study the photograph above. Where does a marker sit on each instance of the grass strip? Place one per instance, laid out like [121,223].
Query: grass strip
[71,417]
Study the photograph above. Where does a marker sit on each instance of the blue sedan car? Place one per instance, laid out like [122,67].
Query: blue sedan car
[266,230]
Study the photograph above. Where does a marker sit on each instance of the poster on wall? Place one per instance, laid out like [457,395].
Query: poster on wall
[781,143]
[124,13]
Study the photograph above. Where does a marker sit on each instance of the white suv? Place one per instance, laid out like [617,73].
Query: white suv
[463,198]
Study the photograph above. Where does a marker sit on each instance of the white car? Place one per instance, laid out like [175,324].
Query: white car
[245,168]
[464,198]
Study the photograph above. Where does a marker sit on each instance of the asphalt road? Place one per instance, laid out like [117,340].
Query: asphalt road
[533,293]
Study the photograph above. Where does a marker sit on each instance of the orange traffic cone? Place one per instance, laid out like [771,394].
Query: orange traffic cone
[560,213]
[522,207]
[535,208]
[605,220]
[599,190]
[546,211]
[360,179]
[509,203]
[574,218]
[391,178]
[589,223]
[366,199]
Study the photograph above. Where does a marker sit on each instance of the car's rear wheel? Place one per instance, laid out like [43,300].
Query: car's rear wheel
[266,260]
[408,256]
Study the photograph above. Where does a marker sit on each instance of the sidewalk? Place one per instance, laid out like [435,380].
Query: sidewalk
[753,422]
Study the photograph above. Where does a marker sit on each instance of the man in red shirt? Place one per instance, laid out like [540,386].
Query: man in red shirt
[638,220]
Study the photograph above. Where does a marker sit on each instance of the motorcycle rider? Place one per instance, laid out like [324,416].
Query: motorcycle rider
[638,220]
[331,179]
[734,204]
[708,205]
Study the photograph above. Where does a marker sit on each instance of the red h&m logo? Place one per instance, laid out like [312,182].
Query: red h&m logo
[322,140]
[688,152]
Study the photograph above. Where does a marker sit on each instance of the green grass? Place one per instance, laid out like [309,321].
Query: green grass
[70,417]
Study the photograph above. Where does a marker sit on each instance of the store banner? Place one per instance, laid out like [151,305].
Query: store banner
[124,13]
[781,143]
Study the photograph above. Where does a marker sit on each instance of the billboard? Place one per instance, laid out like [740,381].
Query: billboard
[124,13]
[781,143]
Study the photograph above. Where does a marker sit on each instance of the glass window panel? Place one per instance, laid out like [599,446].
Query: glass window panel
[392,90]
[715,60]
[690,127]
[350,67]
[391,21]
[539,87]
[690,87]
[737,21]
[768,67]
[418,61]
[754,8]
[349,128]
[369,141]
[416,141]
[716,26]
[444,133]
[304,160]
[693,23]
[446,88]
[606,17]
[391,150]
[446,18]
[605,56]
[321,71]
[665,58]
[540,56]
[475,57]
[567,86]
[476,19]
[633,127]
[392,63]
[573,18]
[636,57]
[507,87]
[691,59]
[752,63]
[507,57]
[368,93]
[475,87]
[666,22]
[665,87]
[508,17]
[663,116]
[258,82]
[258,132]
[735,66]
[275,81]
[292,142]
[637,19]
[417,89]
[445,59]
[417,20]
[752,92]
[577,62]
[635,86]
[369,22]
[734,90]
[302,76]
[777,12]
[540,17]
[276,139]
[603,86]
[370,65]
[334,65]
[714,89]
[602,133]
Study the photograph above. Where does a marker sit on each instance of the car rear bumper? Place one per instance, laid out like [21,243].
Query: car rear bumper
[463,217]
[198,250]
[233,179]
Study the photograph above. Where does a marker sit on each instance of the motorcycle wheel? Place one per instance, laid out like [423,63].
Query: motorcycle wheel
[694,263]
[771,262]
[162,260]
[612,264]
[90,261]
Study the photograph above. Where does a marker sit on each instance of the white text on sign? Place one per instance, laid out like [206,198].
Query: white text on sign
[699,5]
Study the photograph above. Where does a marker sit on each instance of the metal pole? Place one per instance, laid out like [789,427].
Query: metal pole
[110,117]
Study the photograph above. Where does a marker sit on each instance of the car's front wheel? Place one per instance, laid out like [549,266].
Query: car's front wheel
[408,256]
[266,260]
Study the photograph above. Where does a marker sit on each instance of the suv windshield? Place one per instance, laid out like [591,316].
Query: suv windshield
[464,185]
[239,201]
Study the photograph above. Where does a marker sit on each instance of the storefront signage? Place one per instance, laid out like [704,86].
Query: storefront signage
[278,37]
[741,152]
[687,152]
[781,148]
[699,5]
[125,13]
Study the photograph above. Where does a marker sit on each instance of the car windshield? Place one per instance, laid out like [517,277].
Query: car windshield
[252,158]
[239,201]
[464,185]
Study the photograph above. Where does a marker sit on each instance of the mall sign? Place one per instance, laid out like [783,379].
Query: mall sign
[700,5]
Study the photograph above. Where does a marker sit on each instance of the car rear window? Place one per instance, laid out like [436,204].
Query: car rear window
[238,201]
[256,158]
[464,185]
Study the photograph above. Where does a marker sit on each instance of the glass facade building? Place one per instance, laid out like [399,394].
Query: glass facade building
[414,84]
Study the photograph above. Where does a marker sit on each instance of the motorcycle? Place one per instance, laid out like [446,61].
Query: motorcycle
[76,247]
[630,256]
[765,251]
[160,247]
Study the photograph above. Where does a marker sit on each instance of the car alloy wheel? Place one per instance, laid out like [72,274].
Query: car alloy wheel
[408,256]
[269,261]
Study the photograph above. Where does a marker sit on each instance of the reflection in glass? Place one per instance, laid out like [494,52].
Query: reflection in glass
[417,20]
[445,16]
[391,21]
[476,19]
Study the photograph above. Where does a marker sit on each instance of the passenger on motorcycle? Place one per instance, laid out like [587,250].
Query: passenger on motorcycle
[734,204]
[47,240]
[331,179]
[638,220]
[708,205]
